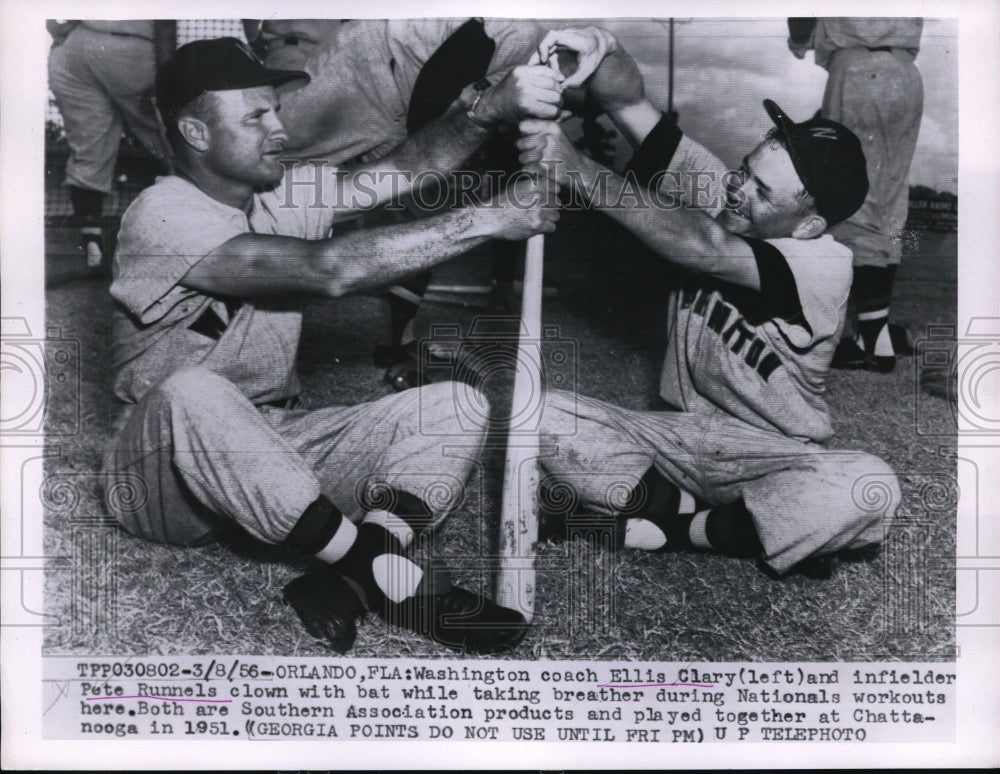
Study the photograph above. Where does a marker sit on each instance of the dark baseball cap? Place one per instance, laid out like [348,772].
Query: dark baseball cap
[218,64]
[829,160]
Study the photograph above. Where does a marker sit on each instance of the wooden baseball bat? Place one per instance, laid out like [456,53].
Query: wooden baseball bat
[519,510]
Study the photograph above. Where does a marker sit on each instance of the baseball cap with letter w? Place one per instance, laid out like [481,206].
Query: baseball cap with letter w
[829,160]
[218,64]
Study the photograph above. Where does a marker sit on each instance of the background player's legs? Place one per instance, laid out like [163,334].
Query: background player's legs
[879,96]
[101,83]
[128,77]
[93,131]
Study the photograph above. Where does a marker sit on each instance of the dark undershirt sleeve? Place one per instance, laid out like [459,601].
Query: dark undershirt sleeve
[462,59]
[778,293]
[656,151]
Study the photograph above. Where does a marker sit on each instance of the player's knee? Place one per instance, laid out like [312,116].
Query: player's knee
[456,407]
[874,491]
[193,389]
[561,401]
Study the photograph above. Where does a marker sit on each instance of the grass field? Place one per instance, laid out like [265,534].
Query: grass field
[112,594]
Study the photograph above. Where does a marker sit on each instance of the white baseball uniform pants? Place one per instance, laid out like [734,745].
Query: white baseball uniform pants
[195,456]
[100,81]
[804,499]
[878,95]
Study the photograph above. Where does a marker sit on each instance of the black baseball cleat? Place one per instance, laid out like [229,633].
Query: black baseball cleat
[850,357]
[815,567]
[408,367]
[460,620]
[902,341]
[328,607]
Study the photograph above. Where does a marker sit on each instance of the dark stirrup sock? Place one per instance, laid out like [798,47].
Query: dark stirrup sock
[408,507]
[731,531]
[87,205]
[322,531]
[377,562]
[657,503]
[872,290]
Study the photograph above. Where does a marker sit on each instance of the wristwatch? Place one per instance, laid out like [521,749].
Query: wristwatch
[479,87]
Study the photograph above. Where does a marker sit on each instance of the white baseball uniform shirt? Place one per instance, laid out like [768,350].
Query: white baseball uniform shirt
[160,326]
[762,357]
[362,75]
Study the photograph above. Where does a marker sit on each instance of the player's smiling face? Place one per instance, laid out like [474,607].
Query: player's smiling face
[765,196]
[247,137]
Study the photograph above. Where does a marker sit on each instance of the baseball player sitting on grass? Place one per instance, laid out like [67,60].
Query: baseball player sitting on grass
[737,466]
[212,266]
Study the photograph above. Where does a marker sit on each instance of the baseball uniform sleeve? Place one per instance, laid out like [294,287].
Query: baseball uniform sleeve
[821,272]
[166,231]
[305,204]
[516,41]
[778,292]
[679,169]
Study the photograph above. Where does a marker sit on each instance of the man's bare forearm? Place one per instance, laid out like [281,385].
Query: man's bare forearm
[438,148]
[443,144]
[686,237]
[374,258]
[252,265]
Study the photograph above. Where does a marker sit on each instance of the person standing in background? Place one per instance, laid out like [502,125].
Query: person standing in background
[101,74]
[875,89]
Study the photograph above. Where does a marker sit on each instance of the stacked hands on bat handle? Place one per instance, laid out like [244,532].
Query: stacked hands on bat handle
[610,76]
[528,91]
[533,94]
[609,73]
[529,206]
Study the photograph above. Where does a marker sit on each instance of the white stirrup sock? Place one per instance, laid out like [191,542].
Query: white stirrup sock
[396,576]
[340,543]
[392,524]
[697,533]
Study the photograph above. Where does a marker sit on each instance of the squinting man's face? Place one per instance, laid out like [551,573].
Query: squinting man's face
[247,137]
[764,195]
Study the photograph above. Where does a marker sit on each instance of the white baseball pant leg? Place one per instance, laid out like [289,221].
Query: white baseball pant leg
[203,457]
[99,82]
[878,95]
[804,499]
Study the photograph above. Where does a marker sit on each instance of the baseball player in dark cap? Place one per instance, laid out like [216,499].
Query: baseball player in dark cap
[737,466]
[212,265]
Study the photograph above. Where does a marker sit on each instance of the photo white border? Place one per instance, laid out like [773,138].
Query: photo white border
[23,47]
